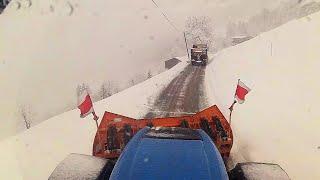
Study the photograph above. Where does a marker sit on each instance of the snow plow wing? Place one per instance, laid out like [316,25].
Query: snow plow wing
[115,130]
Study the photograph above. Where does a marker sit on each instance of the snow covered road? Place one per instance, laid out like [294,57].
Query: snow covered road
[184,95]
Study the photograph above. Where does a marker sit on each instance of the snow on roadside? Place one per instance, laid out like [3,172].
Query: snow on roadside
[34,154]
[279,122]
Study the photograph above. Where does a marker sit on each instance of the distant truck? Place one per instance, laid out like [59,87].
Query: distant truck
[199,54]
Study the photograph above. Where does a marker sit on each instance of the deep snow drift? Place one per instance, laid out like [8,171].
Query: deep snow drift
[33,154]
[279,122]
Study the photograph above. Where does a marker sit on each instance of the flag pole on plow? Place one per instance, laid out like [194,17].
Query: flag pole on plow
[86,107]
[239,96]
[231,109]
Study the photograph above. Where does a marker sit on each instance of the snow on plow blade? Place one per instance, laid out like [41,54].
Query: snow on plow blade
[115,130]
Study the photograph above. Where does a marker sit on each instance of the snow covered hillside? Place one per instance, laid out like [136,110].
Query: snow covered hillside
[48,48]
[33,154]
[279,122]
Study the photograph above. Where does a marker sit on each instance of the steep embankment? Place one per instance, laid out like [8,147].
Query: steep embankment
[279,122]
[33,154]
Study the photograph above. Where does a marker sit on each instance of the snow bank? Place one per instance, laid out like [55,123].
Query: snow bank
[33,154]
[279,122]
[49,47]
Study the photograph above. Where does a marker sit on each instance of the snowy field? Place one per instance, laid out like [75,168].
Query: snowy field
[280,120]
[33,154]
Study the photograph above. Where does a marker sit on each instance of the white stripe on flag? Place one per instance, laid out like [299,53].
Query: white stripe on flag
[82,97]
[244,86]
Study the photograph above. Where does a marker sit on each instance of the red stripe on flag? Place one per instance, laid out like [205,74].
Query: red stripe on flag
[86,105]
[241,92]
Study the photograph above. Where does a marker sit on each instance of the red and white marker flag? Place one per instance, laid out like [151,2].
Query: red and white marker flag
[241,92]
[85,105]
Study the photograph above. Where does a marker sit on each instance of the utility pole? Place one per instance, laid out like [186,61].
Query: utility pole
[185,40]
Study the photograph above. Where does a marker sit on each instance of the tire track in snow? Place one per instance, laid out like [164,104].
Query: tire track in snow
[182,96]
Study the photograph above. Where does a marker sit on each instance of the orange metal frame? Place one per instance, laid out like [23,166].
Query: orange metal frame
[109,119]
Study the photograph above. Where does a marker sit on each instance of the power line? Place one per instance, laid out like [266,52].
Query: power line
[165,16]
[155,3]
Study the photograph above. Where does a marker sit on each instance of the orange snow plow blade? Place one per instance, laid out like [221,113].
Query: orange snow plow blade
[115,130]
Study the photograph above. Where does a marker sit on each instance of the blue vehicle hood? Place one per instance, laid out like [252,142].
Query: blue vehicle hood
[152,158]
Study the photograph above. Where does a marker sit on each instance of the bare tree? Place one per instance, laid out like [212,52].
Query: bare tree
[268,19]
[149,75]
[81,88]
[26,115]
[132,82]
[106,89]
[116,89]
[199,29]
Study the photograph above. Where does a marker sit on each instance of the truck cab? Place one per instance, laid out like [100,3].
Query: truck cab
[199,54]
